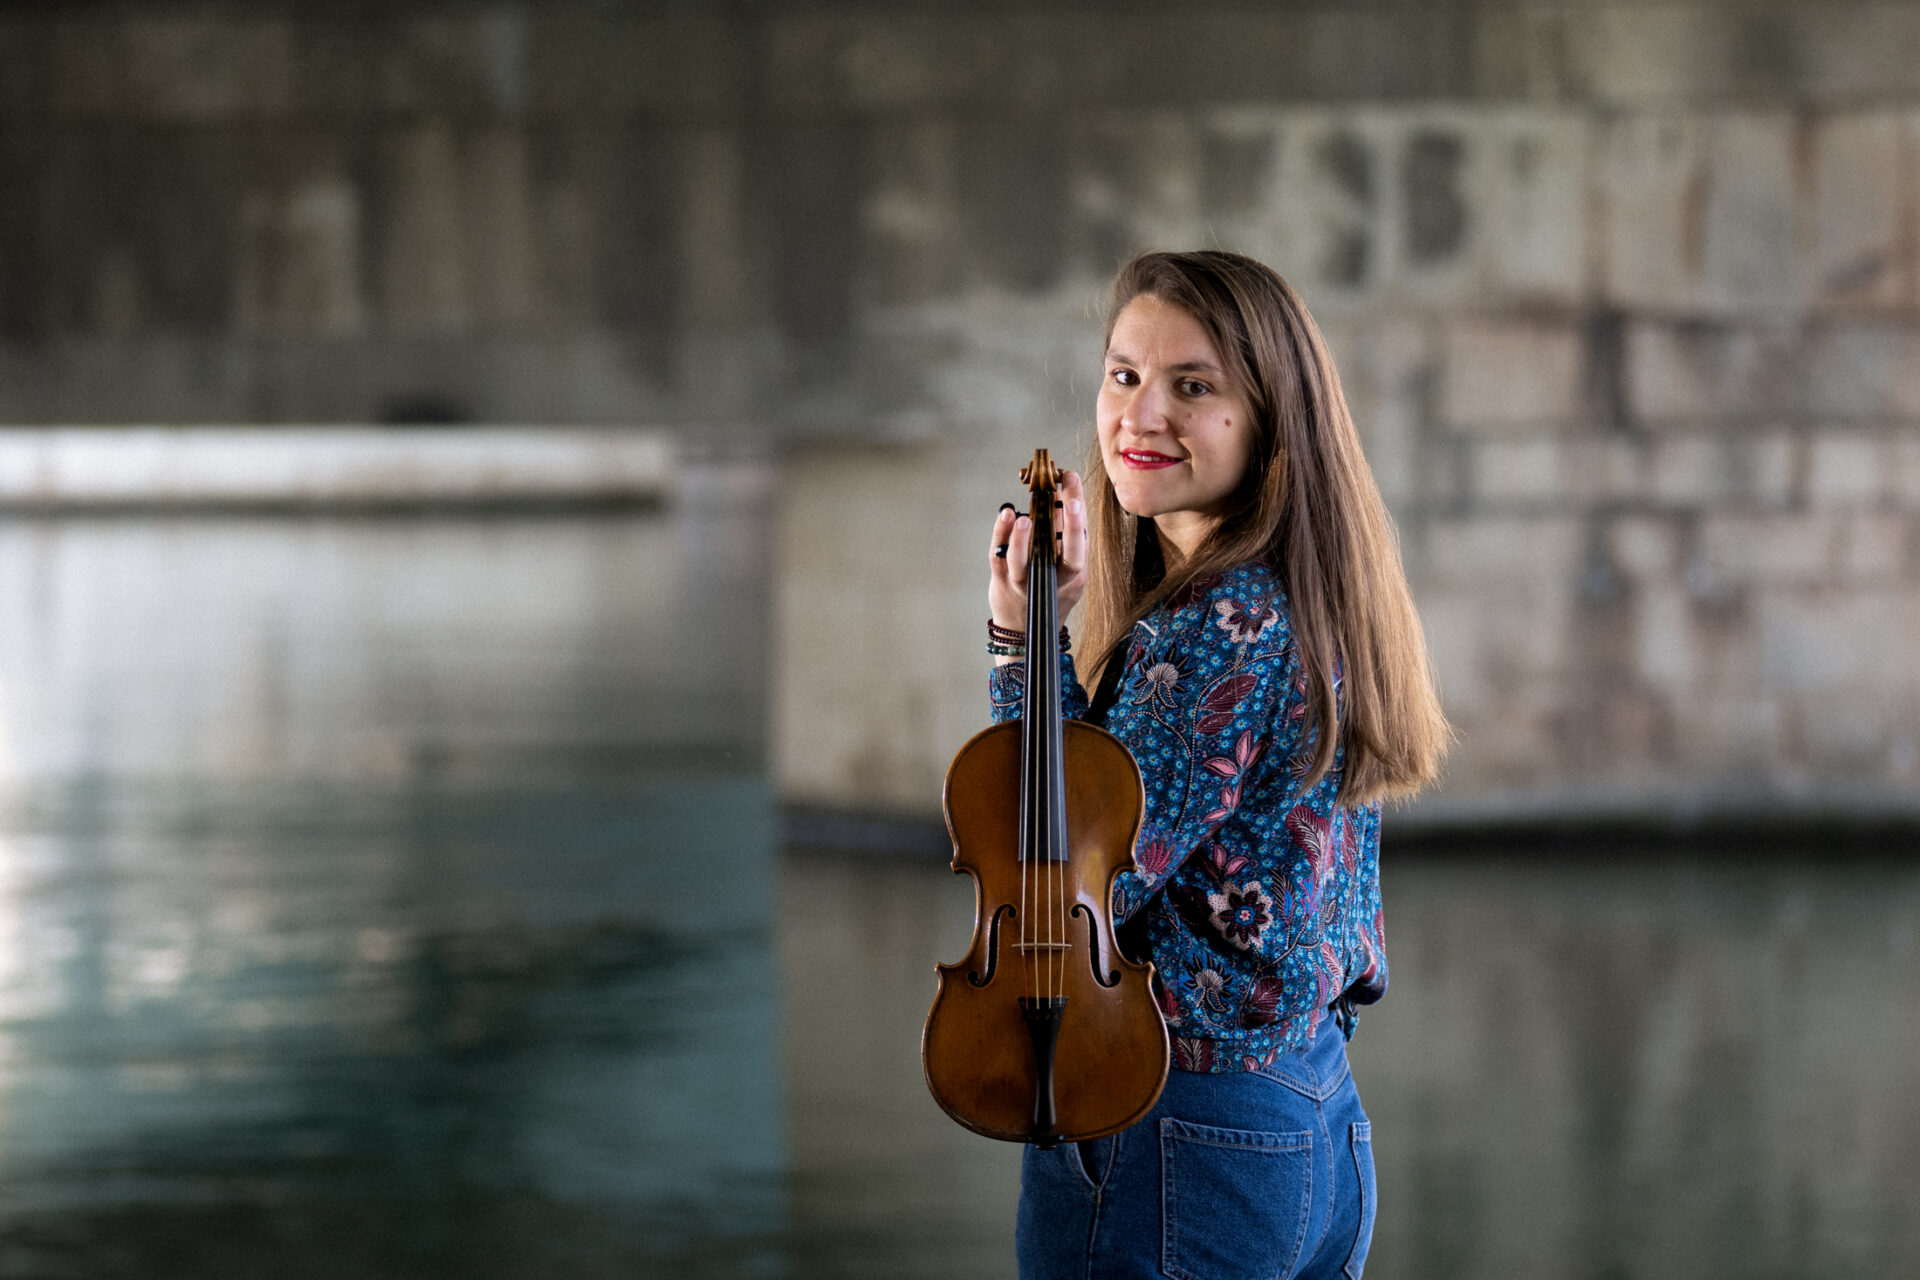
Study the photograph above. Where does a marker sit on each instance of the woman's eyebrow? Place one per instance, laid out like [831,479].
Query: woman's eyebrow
[1185,366]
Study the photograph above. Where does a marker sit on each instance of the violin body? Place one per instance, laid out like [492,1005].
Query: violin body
[1110,1061]
[1044,1032]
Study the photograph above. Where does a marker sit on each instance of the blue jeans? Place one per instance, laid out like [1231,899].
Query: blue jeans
[1245,1175]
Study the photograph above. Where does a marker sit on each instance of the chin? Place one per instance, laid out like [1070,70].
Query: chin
[1142,505]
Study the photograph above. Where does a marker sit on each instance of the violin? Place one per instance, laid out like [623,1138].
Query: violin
[1044,1032]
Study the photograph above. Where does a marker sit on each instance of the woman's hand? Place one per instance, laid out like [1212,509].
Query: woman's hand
[1012,545]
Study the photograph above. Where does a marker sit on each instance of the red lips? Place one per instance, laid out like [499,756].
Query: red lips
[1146,459]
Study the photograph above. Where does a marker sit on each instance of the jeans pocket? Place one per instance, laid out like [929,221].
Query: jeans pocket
[1236,1201]
[1095,1157]
[1369,1203]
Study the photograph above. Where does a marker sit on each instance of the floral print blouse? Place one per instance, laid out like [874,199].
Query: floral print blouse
[1260,899]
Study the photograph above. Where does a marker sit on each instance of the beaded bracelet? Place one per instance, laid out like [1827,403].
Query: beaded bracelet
[1006,638]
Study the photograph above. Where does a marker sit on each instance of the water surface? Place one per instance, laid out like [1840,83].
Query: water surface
[406,898]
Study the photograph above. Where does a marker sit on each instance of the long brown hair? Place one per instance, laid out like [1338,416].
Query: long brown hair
[1308,507]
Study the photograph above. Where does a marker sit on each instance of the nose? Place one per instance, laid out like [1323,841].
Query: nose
[1145,409]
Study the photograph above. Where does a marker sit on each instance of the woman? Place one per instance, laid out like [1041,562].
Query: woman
[1262,660]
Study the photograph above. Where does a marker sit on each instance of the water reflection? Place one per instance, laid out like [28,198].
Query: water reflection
[389,896]
[349,648]
[1695,1067]
[403,898]
[1688,1068]
[450,1014]
[885,1184]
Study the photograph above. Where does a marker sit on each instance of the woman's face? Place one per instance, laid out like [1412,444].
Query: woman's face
[1175,434]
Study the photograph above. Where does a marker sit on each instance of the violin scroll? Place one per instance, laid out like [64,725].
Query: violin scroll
[1041,475]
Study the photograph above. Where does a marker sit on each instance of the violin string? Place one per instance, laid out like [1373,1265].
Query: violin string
[1042,789]
[1026,841]
[1028,933]
[1026,908]
[1055,795]
[1060,799]
[1060,901]
[1055,904]
[1056,883]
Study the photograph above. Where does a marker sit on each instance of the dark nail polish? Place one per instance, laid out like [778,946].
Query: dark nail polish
[1006,506]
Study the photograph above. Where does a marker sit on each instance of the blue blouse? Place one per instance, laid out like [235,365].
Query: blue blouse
[1260,897]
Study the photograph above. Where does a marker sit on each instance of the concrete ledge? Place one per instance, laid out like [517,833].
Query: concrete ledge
[61,469]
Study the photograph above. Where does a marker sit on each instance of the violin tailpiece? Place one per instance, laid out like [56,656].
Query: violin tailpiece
[1043,1014]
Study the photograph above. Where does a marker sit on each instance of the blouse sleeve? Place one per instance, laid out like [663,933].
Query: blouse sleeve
[1217,725]
[1007,687]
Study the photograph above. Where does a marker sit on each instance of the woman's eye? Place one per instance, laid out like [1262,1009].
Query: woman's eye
[1123,377]
[1193,387]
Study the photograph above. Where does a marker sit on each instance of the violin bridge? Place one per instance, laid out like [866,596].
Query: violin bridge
[1044,946]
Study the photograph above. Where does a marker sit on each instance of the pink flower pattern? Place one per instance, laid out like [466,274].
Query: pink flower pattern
[1247,622]
[1241,912]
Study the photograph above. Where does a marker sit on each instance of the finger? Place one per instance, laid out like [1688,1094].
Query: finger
[1072,524]
[1073,547]
[1002,532]
[1020,546]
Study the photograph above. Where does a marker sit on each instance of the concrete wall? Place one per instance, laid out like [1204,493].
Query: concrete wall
[810,215]
[1624,294]
[1638,367]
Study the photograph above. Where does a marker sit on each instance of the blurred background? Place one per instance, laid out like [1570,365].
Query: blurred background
[492,500]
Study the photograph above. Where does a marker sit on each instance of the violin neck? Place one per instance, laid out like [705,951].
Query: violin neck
[1043,790]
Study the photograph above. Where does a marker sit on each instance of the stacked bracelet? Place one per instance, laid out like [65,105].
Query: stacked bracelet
[1005,642]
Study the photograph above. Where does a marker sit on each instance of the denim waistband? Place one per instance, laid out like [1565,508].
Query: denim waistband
[1316,1071]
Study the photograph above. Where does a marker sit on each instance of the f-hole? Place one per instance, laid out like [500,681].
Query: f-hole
[1093,948]
[979,979]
